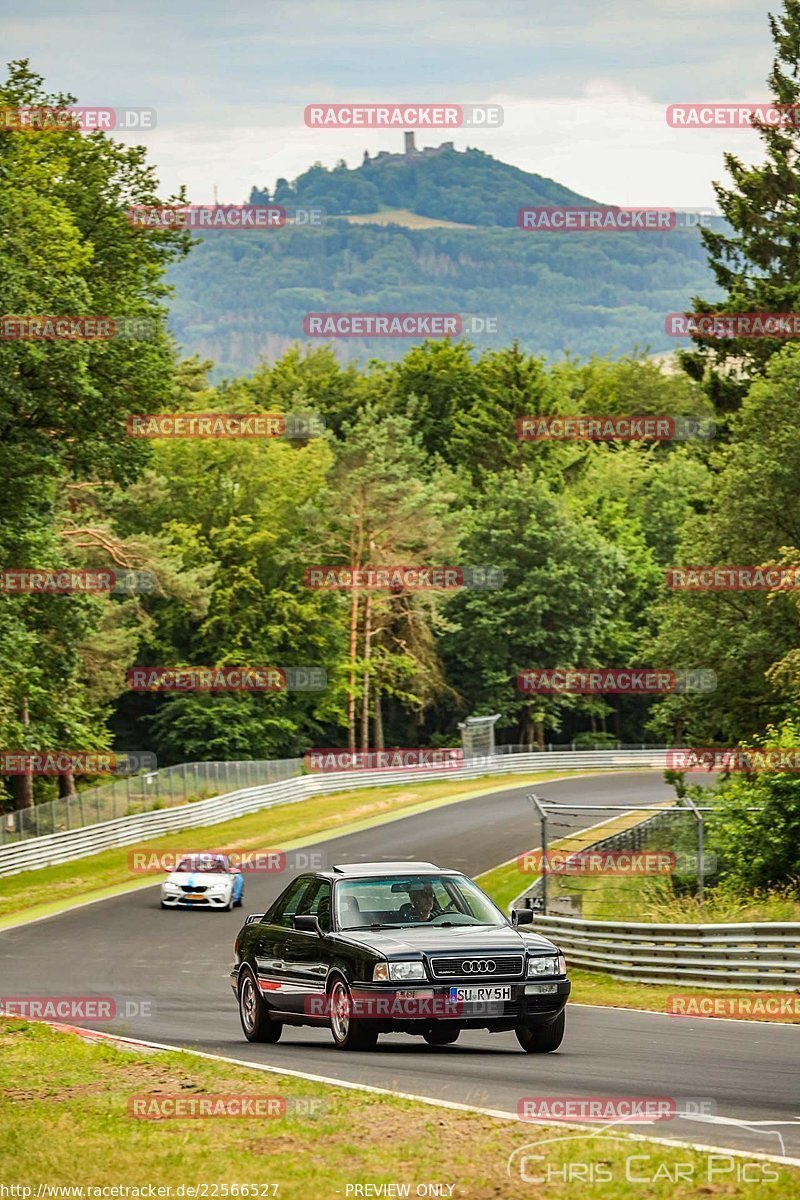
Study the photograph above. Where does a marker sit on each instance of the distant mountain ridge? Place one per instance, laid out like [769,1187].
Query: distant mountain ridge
[470,187]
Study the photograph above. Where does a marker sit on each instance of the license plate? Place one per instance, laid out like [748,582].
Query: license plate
[480,993]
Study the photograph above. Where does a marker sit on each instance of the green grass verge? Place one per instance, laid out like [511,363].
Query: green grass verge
[65,1121]
[508,880]
[505,882]
[38,893]
[652,898]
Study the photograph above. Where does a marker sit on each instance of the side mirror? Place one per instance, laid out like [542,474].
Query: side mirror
[521,916]
[308,924]
[253,917]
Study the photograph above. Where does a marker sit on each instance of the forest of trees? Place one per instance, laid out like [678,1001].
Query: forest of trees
[241,297]
[419,463]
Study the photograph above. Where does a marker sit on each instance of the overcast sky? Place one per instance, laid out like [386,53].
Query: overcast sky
[584,83]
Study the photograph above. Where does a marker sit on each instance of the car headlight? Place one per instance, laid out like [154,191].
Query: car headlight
[170,887]
[547,964]
[398,970]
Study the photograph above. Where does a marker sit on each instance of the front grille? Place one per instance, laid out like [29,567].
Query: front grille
[185,887]
[475,966]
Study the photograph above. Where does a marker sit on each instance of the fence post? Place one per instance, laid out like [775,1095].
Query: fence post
[700,825]
[534,799]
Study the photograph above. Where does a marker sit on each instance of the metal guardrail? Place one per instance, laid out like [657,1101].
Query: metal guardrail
[763,956]
[67,845]
[167,787]
[129,795]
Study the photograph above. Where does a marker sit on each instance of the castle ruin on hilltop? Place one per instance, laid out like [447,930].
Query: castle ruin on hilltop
[410,152]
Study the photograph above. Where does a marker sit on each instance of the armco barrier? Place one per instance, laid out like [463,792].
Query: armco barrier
[78,843]
[764,956]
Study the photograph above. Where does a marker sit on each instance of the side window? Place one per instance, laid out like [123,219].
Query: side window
[317,903]
[285,906]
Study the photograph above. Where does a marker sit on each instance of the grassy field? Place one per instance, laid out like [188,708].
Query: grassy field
[66,1120]
[404,217]
[287,826]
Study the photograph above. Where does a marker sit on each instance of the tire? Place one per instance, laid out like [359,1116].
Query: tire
[440,1035]
[257,1025]
[163,905]
[348,1032]
[541,1039]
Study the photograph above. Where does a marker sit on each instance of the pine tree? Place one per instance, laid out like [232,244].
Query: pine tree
[758,264]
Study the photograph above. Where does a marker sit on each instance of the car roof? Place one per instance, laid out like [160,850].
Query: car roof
[382,868]
[342,871]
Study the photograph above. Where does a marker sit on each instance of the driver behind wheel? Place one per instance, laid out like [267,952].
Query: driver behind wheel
[421,905]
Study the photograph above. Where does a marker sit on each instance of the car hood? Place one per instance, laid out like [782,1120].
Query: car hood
[198,878]
[463,939]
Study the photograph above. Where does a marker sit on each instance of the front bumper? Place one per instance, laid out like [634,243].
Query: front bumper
[181,900]
[398,1006]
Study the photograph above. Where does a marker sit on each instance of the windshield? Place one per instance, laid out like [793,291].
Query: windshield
[206,863]
[404,900]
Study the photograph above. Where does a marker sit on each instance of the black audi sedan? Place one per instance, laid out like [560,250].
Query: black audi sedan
[405,947]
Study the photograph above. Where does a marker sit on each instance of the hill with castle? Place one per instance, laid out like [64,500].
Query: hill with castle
[432,230]
[466,187]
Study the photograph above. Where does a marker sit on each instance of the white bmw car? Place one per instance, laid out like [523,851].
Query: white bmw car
[203,881]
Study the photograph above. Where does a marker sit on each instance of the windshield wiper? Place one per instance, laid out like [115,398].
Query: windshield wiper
[374,925]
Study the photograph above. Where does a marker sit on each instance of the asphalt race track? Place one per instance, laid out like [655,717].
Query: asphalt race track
[128,948]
